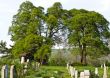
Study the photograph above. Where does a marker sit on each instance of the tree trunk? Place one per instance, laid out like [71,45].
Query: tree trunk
[83,54]
[85,59]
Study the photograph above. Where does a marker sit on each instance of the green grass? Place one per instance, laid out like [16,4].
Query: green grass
[62,69]
[62,72]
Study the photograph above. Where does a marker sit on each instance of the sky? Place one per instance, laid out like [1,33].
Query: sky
[8,8]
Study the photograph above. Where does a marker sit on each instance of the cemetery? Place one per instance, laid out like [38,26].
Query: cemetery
[56,42]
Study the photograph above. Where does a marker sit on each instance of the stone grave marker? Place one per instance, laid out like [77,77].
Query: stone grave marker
[25,68]
[13,72]
[76,74]
[105,72]
[104,65]
[101,66]
[86,74]
[72,71]
[27,61]
[4,71]
[96,71]
[67,66]
[22,60]
[81,74]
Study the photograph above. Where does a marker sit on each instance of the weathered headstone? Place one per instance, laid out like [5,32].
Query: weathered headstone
[86,74]
[27,60]
[104,65]
[105,72]
[101,66]
[4,71]
[72,71]
[76,74]
[22,60]
[13,73]
[67,66]
[81,74]
[25,68]
[38,65]
[96,71]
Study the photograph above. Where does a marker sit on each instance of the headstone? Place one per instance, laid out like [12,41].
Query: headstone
[104,65]
[25,68]
[76,74]
[72,71]
[4,71]
[27,60]
[105,72]
[22,60]
[101,66]
[13,73]
[38,65]
[86,74]
[81,74]
[67,66]
[96,71]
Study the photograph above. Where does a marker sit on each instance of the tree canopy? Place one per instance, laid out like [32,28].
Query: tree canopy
[88,29]
[35,31]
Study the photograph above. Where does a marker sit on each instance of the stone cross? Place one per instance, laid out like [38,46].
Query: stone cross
[22,60]
[76,74]
[81,74]
[96,71]
[86,74]
[4,71]
[13,73]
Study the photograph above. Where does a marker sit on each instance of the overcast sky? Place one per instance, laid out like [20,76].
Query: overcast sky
[8,8]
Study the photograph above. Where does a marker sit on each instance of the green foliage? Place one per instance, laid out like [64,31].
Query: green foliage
[88,29]
[3,48]
[34,31]
[57,59]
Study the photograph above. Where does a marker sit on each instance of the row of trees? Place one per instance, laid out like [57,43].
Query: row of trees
[35,31]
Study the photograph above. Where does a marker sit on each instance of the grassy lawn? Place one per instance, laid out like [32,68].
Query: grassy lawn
[62,72]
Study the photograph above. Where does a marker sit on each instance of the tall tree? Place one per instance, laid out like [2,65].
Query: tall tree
[33,30]
[26,29]
[88,29]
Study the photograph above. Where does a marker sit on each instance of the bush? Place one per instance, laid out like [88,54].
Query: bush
[57,59]
[93,75]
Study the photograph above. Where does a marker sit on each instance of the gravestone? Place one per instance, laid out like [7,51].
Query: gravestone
[38,65]
[104,65]
[86,74]
[13,72]
[27,61]
[101,66]
[67,66]
[22,60]
[105,72]
[96,71]
[72,71]
[25,68]
[4,71]
[76,74]
[81,74]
